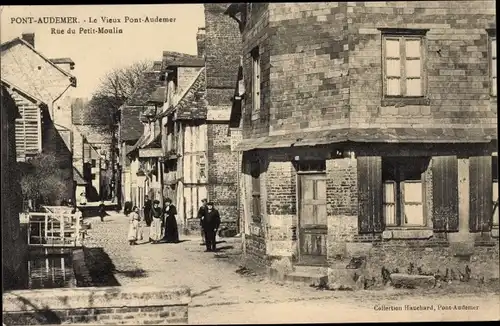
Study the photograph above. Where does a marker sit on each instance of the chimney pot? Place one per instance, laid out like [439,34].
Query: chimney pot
[29,37]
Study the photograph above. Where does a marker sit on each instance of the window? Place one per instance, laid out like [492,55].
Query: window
[403,191]
[94,163]
[255,174]
[92,176]
[493,65]
[311,166]
[255,80]
[403,64]
[495,190]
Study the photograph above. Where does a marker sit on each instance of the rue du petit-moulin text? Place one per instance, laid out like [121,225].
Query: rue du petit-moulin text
[93,25]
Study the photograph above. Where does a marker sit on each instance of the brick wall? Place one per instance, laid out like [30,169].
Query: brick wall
[457,64]
[322,65]
[222,50]
[109,305]
[222,173]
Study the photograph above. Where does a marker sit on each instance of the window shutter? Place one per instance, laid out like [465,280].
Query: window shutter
[370,193]
[481,181]
[445,193]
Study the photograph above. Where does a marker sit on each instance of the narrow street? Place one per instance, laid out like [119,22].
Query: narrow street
[220,295]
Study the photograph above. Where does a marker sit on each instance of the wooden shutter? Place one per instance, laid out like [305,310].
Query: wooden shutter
[370,194]
[445,193]
[481,188]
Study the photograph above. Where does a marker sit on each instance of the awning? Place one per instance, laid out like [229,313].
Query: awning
[373,135]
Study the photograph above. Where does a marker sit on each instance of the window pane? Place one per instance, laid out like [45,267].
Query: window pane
[414,214]
[393,86]
[414,87]
[392,48]
[412,48]
[390,214]
[393,68]
[494,48]
[389,192]
[413,68]
[412,192]
[494,86]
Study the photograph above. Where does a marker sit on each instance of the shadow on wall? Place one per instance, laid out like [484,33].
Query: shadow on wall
[99,270]
[90,191]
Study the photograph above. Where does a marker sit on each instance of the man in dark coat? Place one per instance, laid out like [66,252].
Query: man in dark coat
[147,210]
[211,224]
[202,212]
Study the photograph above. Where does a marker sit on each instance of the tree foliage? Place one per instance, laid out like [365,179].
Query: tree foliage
[42,180]
[115,88]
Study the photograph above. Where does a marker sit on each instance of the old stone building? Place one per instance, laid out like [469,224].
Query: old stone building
[38,85]
[369,135]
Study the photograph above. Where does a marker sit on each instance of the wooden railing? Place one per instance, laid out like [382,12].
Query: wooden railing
[54,229]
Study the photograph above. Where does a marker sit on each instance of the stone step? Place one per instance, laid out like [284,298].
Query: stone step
[307,278]
[311,269]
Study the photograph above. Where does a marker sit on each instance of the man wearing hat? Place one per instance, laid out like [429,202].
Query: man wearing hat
[201,215]
[210,225]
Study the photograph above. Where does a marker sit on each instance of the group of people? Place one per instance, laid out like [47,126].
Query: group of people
[162,223]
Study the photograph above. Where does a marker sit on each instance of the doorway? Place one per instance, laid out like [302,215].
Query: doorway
[312,219]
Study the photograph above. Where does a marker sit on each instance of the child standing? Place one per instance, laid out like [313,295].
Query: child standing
[134,227]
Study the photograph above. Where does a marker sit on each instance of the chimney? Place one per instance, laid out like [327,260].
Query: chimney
[200,41]
[30,38]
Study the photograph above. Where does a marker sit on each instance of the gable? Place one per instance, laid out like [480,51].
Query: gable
[24,67]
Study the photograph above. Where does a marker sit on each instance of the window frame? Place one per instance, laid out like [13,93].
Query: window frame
[256,81]
[493,80]
[399,181]
[402,35]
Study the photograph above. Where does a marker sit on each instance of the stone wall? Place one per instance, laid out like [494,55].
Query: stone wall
[104,305]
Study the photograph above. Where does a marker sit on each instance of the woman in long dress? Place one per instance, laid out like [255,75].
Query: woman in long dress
[155,230]
[134,227]
[171,230]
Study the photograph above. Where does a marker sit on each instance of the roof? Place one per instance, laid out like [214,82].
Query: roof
[78,178]
[145,87]
[131,127]
[187,62]
[18,40]
[9,103]
[373,135]
[96,134]
[24,93]
[193,104]
[142,139]
[171,56]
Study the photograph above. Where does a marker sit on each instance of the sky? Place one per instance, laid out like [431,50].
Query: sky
[96,54]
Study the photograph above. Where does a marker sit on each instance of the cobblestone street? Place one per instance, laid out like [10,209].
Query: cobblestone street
[220,295]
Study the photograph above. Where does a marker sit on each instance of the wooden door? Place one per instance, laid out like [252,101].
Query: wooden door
[312,219]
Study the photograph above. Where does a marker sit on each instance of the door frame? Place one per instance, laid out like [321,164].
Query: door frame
[298,181]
